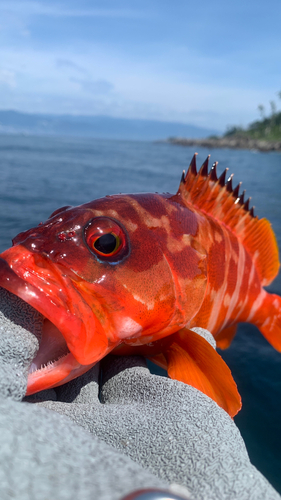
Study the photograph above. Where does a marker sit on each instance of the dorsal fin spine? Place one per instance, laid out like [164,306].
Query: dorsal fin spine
[204,169]
[203,181]
[213,172]
[219,200]
[229,184]
[241,198]
[236,190]
[222,177]
[246,204]
[192,166]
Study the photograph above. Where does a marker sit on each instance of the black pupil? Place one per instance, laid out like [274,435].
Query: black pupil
[106,243]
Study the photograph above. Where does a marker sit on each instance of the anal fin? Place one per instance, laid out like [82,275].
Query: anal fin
[159,360]
[192,360]
[268,320]
[225,337]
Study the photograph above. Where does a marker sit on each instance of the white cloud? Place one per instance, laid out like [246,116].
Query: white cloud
[98,87]
[115,71]
[70,65]
[102,80]
[7,78]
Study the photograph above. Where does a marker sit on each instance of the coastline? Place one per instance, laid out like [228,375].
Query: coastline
[231,142]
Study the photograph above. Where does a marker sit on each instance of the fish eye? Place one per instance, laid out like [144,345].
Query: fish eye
[106,239]
[107,244]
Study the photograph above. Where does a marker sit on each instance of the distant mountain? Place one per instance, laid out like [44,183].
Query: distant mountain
[103,127]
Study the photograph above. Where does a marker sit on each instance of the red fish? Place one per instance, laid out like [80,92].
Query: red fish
[134,273]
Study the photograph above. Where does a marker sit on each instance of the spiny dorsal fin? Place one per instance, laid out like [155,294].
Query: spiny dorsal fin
[216,197]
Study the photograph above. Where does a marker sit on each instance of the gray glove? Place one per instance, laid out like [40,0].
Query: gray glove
[43,454]
[170,432]
[167,427]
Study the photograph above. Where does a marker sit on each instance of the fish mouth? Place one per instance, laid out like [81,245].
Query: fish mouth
[73,339]
[53,364]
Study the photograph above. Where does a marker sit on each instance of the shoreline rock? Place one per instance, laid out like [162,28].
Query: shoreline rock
[228,142]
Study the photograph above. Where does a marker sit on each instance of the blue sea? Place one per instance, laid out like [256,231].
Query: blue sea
[41,174]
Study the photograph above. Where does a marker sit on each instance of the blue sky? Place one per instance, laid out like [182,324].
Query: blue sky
[208,63]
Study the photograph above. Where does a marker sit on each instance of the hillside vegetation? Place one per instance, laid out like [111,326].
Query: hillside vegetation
[261,135]
[268,128]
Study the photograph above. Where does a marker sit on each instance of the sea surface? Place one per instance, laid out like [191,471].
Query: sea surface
[39,175]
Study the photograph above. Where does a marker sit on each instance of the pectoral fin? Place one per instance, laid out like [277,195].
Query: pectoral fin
[192,360]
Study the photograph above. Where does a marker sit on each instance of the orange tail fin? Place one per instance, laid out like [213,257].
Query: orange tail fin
[268,320]
[192,360]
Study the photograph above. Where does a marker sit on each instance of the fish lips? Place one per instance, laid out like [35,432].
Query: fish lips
[43,285]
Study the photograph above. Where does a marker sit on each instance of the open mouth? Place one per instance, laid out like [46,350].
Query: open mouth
[52,347]
[62,354]
[53,363]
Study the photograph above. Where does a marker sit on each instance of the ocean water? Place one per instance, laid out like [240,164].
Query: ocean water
[39,175]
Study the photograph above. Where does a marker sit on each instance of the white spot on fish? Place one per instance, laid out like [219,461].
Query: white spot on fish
[113,213]
[256,305]
[130,225]
[98,213]
[267,322]
[256,256]
[218,237]
[145,302]
[276,303]
[252,274]
[226,300]
[127,327]
[100,280]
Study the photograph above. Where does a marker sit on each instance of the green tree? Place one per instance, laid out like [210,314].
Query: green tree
[273,108]
[262,110]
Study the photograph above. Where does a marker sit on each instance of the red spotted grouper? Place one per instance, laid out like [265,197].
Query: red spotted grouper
[134,273]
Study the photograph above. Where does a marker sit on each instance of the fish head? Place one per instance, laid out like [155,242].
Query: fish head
[99,277]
